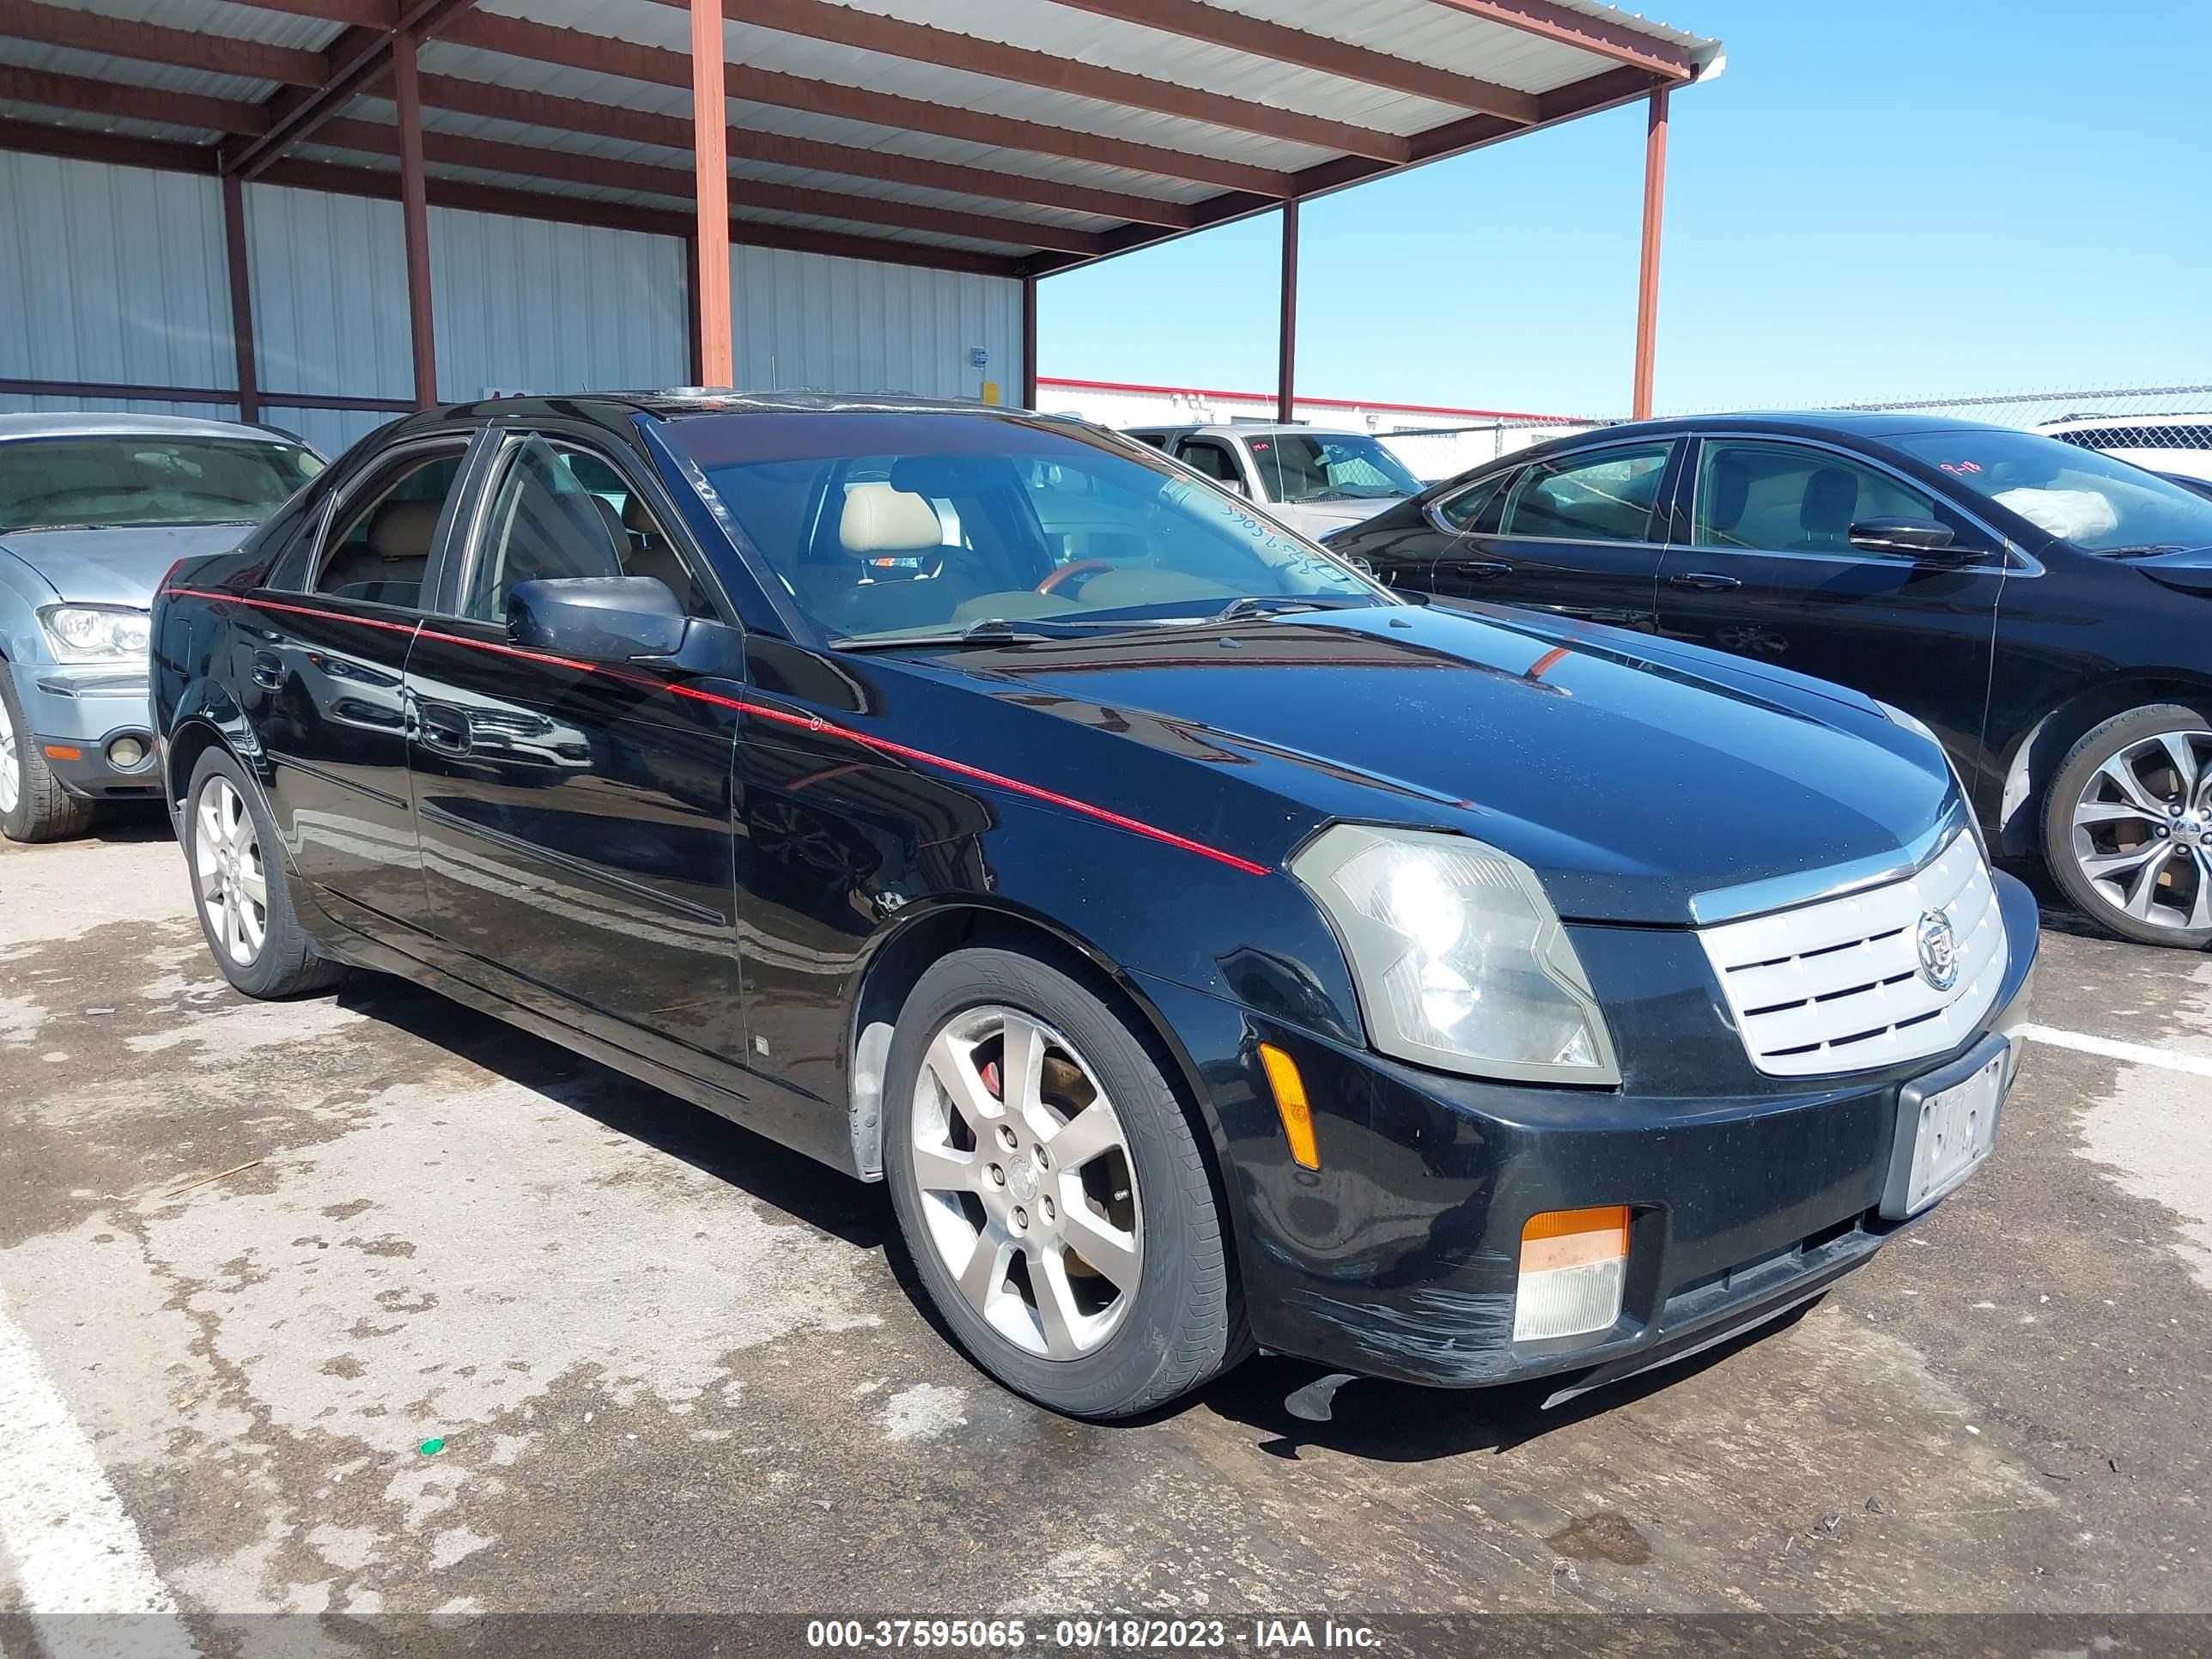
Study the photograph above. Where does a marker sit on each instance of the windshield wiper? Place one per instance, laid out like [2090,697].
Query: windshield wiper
[989,631]
[1277,605]
[2144,551]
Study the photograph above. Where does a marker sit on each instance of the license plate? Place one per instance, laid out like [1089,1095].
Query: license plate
[1943,1136]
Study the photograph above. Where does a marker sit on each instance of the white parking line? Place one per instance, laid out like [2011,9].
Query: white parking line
[71,1545]
[2134,1052]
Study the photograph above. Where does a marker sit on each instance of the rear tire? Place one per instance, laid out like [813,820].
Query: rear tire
[2127,825]
[34,805]
[1085,1146]
[239,889]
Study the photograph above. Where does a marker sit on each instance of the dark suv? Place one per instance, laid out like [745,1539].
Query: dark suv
[2042,607]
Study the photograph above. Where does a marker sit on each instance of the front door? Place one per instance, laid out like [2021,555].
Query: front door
[1769,572]
[576,820]
[327,650]
[1577,534]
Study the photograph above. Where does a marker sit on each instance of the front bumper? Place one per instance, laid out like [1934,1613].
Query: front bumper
[1400,1257]
[80,711]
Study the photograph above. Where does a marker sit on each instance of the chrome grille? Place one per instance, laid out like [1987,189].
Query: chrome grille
[1835,985]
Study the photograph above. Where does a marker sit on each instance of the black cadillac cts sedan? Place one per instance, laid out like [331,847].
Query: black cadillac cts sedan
[1209,949]
[2046,610]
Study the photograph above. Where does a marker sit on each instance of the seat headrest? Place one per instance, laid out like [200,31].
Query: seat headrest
[1832,496]
[879,519]
[1731,484]
[638,517]
[403,530]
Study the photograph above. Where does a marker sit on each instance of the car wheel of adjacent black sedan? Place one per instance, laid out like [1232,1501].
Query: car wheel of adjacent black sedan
[246,910]
[34,805]
[1058,1208]
[2127,825]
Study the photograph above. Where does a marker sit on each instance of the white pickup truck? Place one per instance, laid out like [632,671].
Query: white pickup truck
[1315,482]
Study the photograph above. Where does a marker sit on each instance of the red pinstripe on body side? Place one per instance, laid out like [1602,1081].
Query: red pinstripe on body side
[777,716]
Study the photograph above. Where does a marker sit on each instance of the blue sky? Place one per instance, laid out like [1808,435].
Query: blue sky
[1878,199]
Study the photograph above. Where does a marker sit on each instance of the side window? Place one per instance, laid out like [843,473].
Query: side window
[1464,511]
[1213,459]
[560,513]
[379,543]
[1605,497]
[1784,499]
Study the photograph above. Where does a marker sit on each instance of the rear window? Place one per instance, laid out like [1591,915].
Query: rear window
[117,481]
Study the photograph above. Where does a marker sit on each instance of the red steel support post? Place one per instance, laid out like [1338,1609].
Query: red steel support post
[710,156]
[1647,277]
[415,217]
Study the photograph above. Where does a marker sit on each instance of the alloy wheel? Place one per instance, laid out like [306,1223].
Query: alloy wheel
[2142,830]
[11,763]
[227,858]
[1027,1182]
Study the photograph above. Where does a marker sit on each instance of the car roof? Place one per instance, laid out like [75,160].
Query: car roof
[76,423]
[680,403]
[2079,423]
[1875,424]
[1255,429]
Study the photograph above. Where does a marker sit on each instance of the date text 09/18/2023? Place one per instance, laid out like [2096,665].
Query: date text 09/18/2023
[1285,1634]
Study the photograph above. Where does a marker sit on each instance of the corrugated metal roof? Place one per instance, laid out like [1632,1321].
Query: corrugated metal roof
[1122,149]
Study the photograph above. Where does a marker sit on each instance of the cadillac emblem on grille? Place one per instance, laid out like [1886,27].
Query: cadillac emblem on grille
[1938,949]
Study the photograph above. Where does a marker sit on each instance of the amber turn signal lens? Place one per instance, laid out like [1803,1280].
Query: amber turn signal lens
[1574,1265]
[1290,1091]
[62,751]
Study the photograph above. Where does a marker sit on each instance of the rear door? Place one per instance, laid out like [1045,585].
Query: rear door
[1578,534]
[325,651]
[576,820]
[1766,570]
[1218,460]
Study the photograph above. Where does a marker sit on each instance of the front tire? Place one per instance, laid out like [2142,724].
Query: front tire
[34,805]
[1059,1210]
[238,889]
[2127,825]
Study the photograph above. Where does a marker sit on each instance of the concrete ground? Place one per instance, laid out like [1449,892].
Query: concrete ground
[674,1367]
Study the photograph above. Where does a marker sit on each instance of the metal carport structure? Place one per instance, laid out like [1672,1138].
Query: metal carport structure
[1007,139]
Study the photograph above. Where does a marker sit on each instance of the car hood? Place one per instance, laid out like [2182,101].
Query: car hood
[1318,519]
[1633,775]
[116,566]
[2189,571]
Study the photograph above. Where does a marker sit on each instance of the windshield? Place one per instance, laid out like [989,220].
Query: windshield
[884,526]
[2099,504]
[1328,466]
[125,479]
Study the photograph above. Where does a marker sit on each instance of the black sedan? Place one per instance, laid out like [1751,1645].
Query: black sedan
[1208,948]
[2045,609]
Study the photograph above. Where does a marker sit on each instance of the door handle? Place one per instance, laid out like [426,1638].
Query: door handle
[1478,570]
[1708,581]
[267,669]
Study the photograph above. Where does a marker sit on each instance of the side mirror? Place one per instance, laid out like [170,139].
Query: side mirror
[597,619]
[1919,537]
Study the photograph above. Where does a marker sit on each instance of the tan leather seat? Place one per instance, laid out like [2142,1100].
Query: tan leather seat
[649,554]
[880,519]
[389,567]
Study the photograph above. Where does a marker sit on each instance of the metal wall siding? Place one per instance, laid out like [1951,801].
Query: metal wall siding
[523,305]
[329,430]
[833,323]
[111,274]
[329,292]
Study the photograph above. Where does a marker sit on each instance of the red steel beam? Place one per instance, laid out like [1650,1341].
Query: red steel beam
[119,150]
[414,219]
[1647,272]
[710,164]
[921,43]
[241,297]
[357,14]
[1256,37]
[570,48]
[154,43]
[569,166]
[674,132]
[359,56]
[91,97]
[1564,26]
[1286,338]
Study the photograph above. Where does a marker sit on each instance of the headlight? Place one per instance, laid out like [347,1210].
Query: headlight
[1912,723]
[96,633]
[1460,960]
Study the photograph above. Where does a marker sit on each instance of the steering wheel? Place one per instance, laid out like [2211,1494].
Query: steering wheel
[1068,572]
